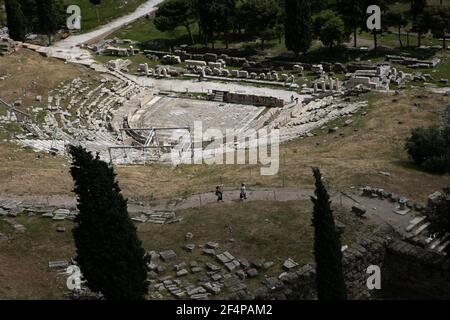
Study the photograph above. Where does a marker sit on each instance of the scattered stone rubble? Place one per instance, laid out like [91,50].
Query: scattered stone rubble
[7,46]
[4,30]
[157,217]
[113,47]
[300,284]
[10,209]
[413,62]
[371,77]
[119,64]
[170,277]
[404,205]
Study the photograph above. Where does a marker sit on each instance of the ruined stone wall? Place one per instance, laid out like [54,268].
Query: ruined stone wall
[358,258]
[407,272]
[411,272]
[300,284]
[253,100]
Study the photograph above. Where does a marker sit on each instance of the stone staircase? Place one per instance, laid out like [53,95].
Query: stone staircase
[218,96]
[418,232]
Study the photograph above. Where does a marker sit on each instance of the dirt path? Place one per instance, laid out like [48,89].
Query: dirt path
[143,10]
[378,211]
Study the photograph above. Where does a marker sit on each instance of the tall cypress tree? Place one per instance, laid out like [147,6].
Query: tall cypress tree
[109,253]
[16,21]
[327,246]
[298,25]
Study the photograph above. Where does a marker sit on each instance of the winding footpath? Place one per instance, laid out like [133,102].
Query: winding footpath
[378,211]
[104,30]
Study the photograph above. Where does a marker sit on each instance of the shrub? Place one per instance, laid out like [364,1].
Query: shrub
[430,148]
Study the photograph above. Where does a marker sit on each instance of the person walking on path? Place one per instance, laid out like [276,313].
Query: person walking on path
[243,195]
[219,194]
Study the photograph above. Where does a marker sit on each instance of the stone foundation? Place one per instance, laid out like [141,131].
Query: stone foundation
[407,272]
[248,99]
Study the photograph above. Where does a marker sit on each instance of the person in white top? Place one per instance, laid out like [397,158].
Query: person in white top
[243,192]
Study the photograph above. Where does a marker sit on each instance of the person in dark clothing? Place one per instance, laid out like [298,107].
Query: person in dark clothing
[219,194]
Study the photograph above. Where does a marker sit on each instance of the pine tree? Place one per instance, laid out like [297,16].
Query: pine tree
[109,253]
[49,17]
[16,21]
[327,246]
[298,25]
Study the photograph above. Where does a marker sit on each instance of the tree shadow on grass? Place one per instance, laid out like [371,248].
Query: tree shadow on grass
[344,54]
[410,165]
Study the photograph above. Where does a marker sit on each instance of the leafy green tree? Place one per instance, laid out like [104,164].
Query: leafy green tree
[30,13]
[209,13]
[430,148]
[329,28]
[439,216]
[417,8]
[327,246]
[398,21]
[50,17]
[420,26]
[96,4]
[418,19]
[227,9]
[109,253]
[262,16]
[172,14]
[383,6]
[16,20]
[298,29]
[353,13]
[437,19]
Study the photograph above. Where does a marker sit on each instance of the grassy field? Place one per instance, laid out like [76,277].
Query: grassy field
[145,32]
[271,231]
[24,272]
[108,11]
